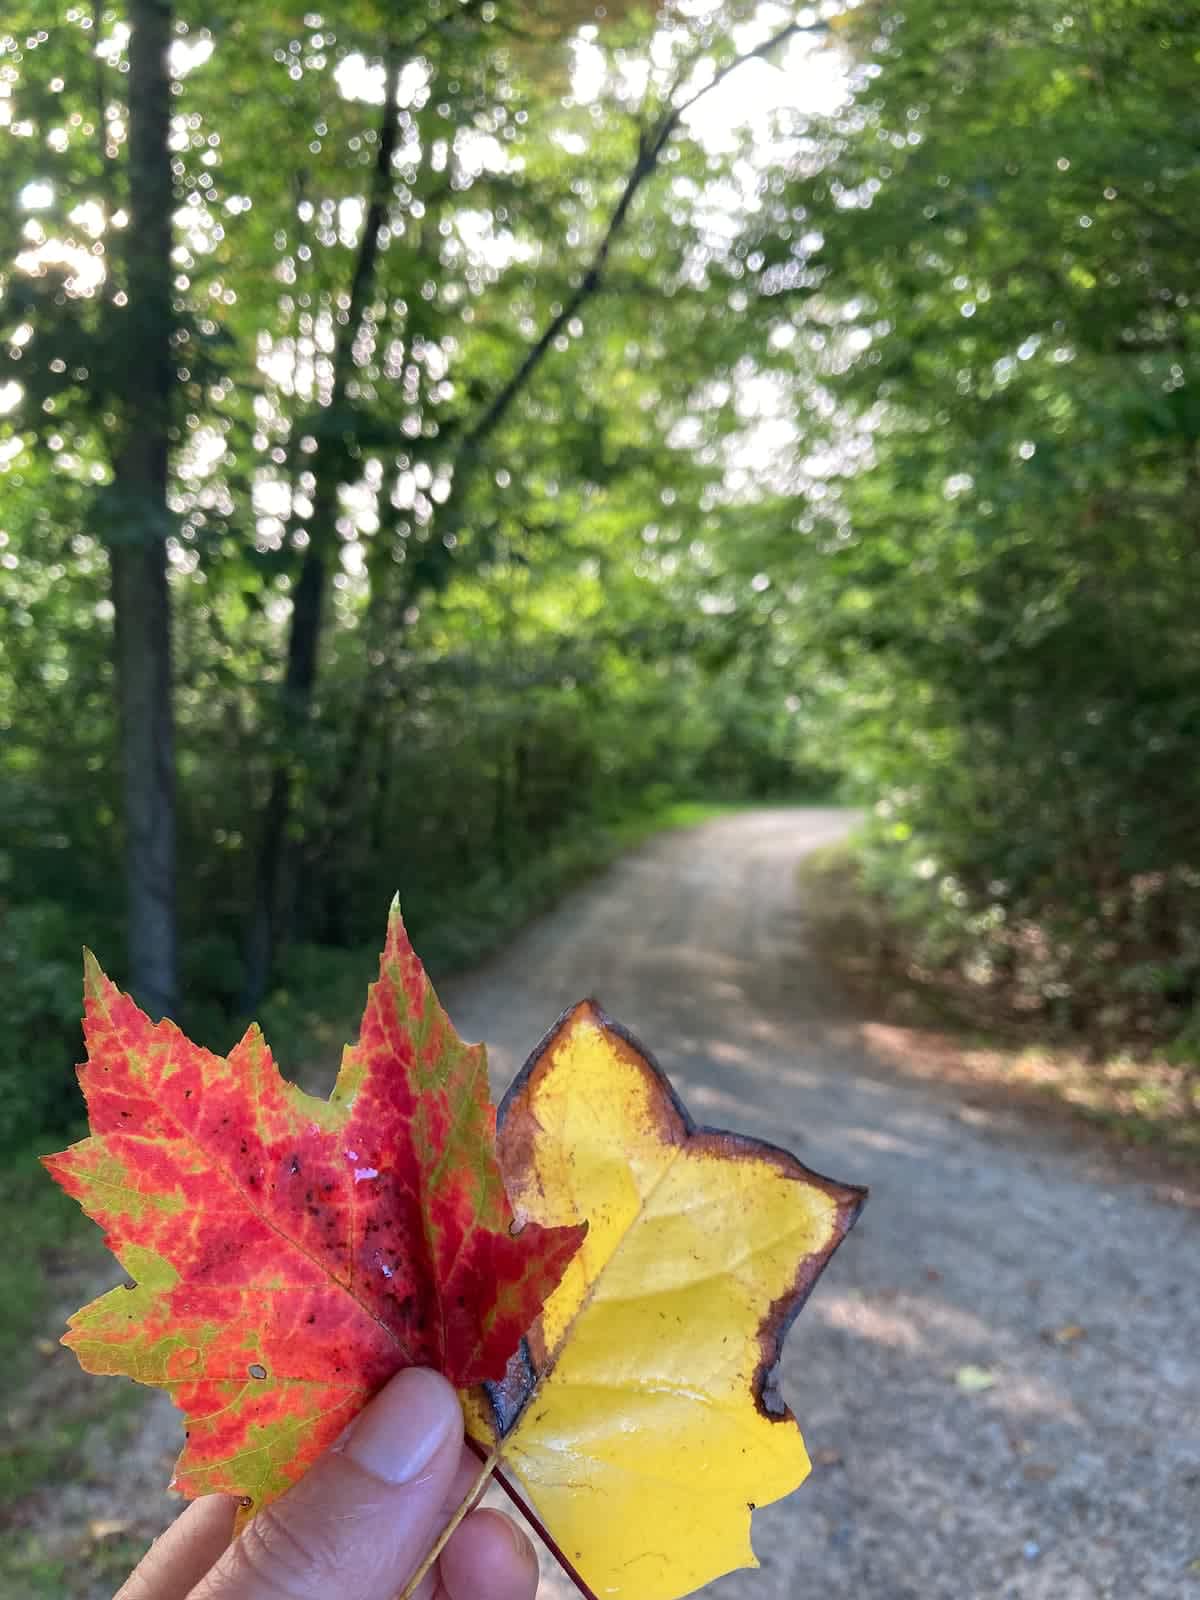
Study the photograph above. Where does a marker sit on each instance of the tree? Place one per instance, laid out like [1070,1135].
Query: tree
[995,279]
[138,521]
[660,120]
[454,374]
[91,322]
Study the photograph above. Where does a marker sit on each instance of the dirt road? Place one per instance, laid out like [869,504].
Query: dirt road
[999,1378]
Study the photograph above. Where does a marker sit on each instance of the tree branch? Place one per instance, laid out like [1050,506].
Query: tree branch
[759,53]
[651,144]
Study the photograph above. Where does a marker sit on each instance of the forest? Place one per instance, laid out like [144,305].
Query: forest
[435,441]
[702,501]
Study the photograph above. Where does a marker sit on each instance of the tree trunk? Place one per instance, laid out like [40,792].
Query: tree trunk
[137,540]
[273,890]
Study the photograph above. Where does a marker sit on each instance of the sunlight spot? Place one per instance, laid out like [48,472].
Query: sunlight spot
[36,196]
[187,54]
[880,1324]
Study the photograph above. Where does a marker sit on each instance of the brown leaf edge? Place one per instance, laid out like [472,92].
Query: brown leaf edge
[508,1398]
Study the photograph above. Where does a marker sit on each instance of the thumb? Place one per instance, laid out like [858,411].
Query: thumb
[361,1520]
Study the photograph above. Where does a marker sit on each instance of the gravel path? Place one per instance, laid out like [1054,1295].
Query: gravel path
[999,1378]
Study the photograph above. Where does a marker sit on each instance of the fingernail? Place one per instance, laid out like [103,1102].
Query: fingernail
[405,1426]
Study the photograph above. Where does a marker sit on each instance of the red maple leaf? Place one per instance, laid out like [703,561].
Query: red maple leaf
[291,1253]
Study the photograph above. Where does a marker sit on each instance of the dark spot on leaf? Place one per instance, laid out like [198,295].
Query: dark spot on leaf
[257,1370]
[295,1166]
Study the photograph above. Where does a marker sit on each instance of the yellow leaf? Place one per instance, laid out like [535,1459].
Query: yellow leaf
[974,1379]
[641,1415]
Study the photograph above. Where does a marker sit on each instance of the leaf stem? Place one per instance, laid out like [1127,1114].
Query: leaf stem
[555,1550]
[443,1538]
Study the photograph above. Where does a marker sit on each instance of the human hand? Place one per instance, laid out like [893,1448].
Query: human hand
[358,1524]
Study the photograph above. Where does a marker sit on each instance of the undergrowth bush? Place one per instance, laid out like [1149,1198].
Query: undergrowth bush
[1120,964]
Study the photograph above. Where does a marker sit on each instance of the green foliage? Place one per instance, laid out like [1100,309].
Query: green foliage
[40,1015]
[51,1238]
[509,515]
[50,1224]
[998,272]
[574,458]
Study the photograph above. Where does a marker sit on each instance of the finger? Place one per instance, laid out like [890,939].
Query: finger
[465,1479]
[365,1515]
[179,1558]
[489,1558]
